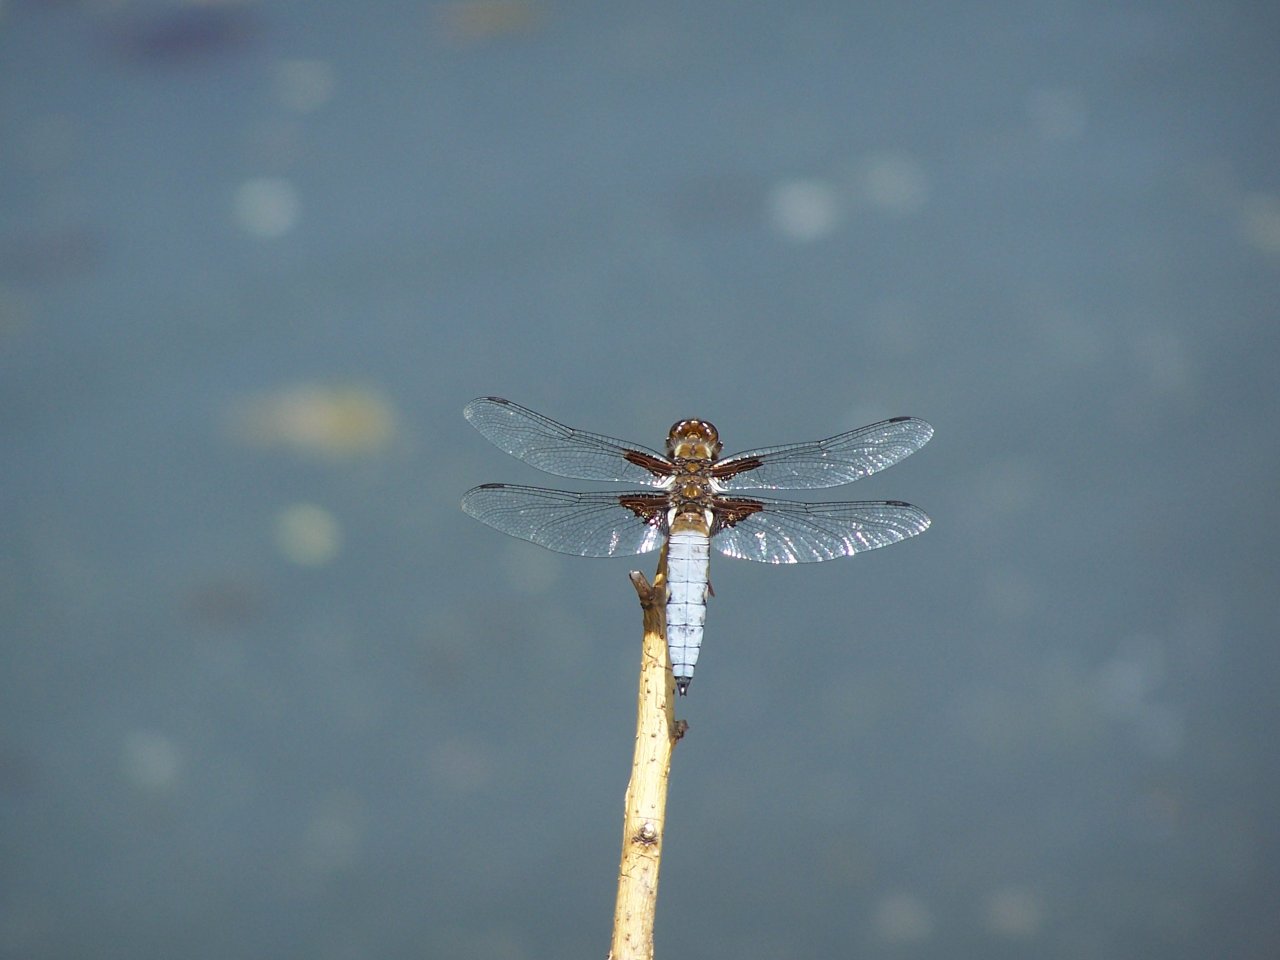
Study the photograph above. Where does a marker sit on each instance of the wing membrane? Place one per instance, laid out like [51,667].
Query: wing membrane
[787,531]
[583,524]
[554,448]
[824,463]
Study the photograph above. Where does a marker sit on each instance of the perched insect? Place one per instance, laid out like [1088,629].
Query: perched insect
[696,502]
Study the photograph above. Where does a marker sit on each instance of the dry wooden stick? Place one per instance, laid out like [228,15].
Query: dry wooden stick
[646,805]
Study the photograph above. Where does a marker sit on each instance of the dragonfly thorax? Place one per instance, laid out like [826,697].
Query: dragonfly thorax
[692,492]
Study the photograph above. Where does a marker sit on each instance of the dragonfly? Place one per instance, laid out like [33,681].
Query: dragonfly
[696,500]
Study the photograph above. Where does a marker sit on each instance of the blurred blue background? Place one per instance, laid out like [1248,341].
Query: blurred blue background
[266,692]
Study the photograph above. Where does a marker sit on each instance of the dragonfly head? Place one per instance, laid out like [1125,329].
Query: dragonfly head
[694,440]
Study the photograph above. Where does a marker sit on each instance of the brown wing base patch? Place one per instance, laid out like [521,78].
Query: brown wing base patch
[731,511]
[649,507]
[662,468]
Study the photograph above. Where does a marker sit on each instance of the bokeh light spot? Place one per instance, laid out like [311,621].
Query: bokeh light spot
[316,420]
[1015,913]
[266,207]
[903,918]
[308,535]
[152,761]
[803,210]
[1057,114]
[1260,222]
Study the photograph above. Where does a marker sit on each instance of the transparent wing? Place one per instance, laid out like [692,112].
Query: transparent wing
[787,531]
[824,463]
[543,443]
[584,524]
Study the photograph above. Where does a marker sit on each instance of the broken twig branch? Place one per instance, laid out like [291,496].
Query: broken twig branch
[644,822]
